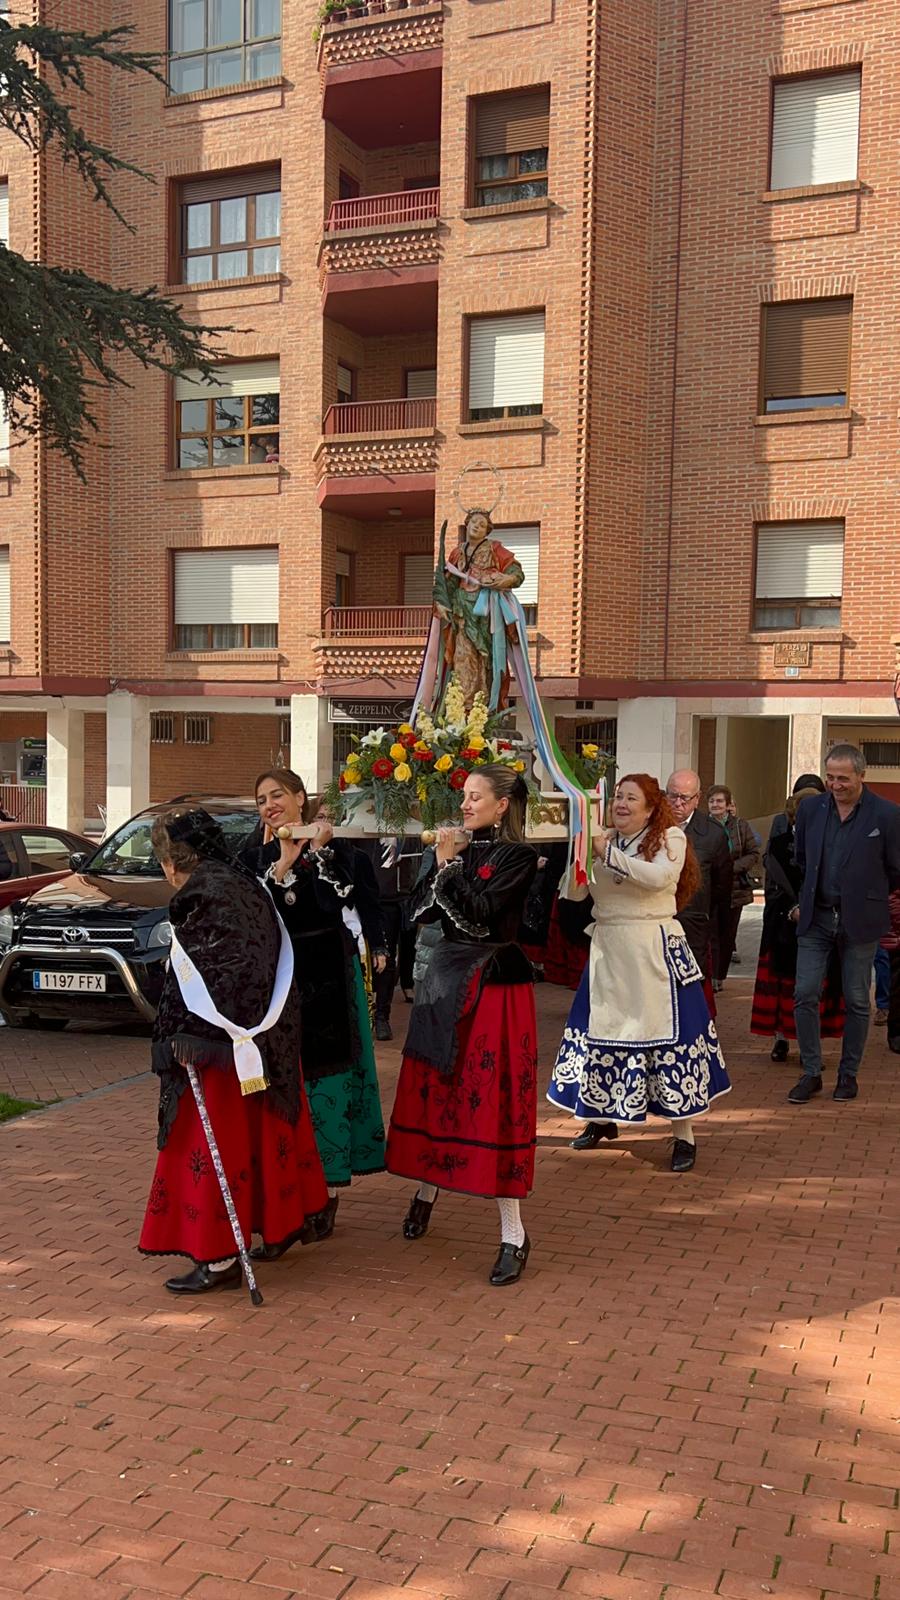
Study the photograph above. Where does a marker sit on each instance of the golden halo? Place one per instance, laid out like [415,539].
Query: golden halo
[479,466]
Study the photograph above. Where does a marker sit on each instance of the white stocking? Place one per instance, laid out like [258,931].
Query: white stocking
[683,1129]
[332,1191]
[427,1192]
[222,1266]
[511,1229]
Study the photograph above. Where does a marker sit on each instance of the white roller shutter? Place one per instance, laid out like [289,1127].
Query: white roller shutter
[4,594]
[421,384]
[4,213]
[525,544]
[418,579]
[219,586]
[236,379]
[800,561]
[506,361]
[815,130]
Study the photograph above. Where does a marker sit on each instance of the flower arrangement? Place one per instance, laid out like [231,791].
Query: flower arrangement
[421,770]
[593,766]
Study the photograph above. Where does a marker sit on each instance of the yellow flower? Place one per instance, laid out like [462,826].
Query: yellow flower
[590,750]
[405,727]
[398,753]
[422,791]
[443,764]
[518,766]
[403,772]
[353,759]
[477,741]
[421,744]
[350,777]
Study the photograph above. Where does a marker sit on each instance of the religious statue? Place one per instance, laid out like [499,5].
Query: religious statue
[477,565]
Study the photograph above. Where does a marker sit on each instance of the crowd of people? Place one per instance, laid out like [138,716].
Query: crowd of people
[286,957]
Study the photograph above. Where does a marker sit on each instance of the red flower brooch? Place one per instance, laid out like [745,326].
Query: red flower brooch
[486,871]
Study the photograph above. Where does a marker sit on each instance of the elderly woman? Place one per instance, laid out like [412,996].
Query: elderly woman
[225,923]
[639,1037]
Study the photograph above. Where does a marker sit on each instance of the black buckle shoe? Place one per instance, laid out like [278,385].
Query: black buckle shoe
[684,1154]
[323,1221]
[202,1280]
[593,1134]
[415,1223]
[846,1087]
[274,1252]
[805,1089]
[510,1263]
[383,1029]
[779,1050]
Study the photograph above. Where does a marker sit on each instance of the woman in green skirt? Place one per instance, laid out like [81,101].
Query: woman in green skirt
[312,883]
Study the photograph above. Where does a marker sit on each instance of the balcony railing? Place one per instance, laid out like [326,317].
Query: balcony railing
[376,622]
[380,416]
[403,209]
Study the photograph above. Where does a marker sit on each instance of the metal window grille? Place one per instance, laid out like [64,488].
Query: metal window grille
[284,734]
[162,727]
[198,730]
[881,752]
[600,731]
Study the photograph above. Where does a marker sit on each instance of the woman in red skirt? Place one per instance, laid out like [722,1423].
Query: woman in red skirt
[465,1116]
[224,922]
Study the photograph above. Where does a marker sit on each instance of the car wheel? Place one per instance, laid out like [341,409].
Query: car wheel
[49,1024]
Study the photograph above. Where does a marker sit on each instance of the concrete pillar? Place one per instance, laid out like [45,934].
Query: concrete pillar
[127,756]
[721,767]
[311,741]
[646,736]
[65,768]
[807,734]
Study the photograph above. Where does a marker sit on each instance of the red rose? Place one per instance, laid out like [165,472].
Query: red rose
[468,755]
[408,739]
[382,768]
[423,755]
[486,871]
[458,778]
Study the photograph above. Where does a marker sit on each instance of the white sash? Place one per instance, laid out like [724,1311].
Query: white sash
[197,998]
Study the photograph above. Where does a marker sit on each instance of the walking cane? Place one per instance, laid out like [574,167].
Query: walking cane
[255,1296]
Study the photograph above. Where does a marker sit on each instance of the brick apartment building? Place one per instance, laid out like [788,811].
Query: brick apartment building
[640,257]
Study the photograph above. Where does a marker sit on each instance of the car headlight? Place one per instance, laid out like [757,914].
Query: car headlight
[160,936]
[7,928]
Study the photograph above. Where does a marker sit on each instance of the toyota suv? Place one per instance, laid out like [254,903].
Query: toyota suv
[92,947]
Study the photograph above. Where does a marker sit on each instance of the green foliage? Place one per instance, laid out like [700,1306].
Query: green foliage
[10,1107]
[61,331]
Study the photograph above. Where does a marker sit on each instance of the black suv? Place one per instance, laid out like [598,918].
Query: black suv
[92,947]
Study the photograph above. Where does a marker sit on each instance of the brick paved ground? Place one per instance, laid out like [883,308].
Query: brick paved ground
[694,1390]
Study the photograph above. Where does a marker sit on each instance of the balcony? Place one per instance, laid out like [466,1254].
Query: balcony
[381,72]
[374,246]
[377,458]
[362,641]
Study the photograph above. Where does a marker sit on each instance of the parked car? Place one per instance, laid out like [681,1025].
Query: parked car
[32,856]
[92,946]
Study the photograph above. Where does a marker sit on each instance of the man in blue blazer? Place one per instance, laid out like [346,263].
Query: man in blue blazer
[847,845]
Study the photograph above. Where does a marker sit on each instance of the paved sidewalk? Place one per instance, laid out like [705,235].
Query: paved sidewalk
[694,1390]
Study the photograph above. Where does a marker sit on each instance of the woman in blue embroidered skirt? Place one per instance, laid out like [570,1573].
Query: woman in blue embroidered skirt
[639,1037]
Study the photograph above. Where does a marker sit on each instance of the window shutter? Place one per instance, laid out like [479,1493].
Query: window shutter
[235,379]
[4,213]
[506,361]
[230,185]
[525,544]
[226,586]
[815,130]
[508,123]
[5,606]
[344,383]
[418,579]
[421,384]
[342,563]
[807,348]
[800,561]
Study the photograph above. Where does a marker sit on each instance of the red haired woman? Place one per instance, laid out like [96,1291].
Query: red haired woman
[639,1036]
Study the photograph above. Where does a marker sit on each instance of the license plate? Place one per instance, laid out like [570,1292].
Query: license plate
[76,982]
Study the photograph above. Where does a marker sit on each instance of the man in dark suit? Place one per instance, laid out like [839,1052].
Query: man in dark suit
[847,845]
[713,898]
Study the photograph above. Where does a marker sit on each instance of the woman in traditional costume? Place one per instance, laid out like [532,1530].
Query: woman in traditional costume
[773,993]
[465,1114]
[238,970]
[311,881]
[639,1037]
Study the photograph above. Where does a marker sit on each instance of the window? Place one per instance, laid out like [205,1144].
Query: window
[512,137]
[799,574]
[46,852]
[815,130]
[806,354]
[525,544]
[5,607]
[226,599]
[421,383]
[602,731]
[162,727]
[232,422]
[506,366]
[216,43]
[348,186]
[418,579]
[284,735]
[881,752]
[342,577]
[198,730]
[346,384]
[230,226]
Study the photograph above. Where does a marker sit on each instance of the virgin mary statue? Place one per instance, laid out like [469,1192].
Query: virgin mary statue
[462,585]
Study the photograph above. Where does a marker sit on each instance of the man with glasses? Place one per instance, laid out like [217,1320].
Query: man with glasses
[701,915]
